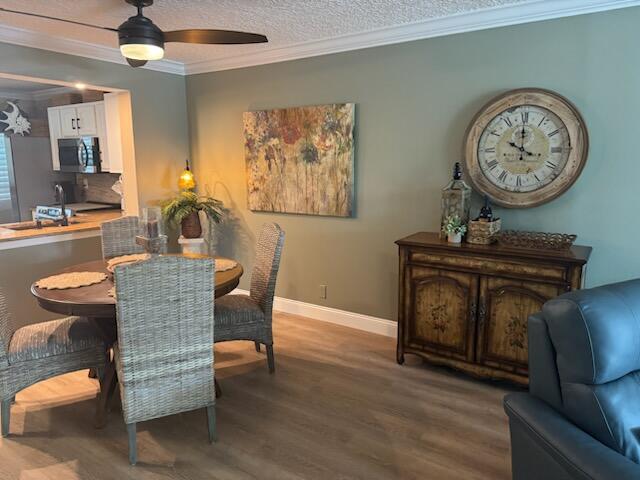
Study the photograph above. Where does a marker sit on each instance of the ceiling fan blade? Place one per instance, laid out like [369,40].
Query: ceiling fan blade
[216,37]
[136,63]
[46,17]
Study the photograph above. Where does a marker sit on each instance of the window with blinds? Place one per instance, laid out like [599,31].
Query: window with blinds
[5,191]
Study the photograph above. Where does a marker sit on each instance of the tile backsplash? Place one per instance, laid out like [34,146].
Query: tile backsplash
[98,187]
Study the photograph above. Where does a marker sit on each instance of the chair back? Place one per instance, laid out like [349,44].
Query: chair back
[119,237]
[165,336]
[596,337]
[265,267]
[5,330]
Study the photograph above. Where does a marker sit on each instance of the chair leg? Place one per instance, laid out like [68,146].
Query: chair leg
[270,360]
[5,413]
[211,422]
[108,383]
[133,450]
[257,346]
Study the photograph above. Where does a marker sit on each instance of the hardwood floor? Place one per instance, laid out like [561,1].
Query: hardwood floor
[338,407]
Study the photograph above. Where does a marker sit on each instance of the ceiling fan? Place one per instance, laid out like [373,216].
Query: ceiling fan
[141,40]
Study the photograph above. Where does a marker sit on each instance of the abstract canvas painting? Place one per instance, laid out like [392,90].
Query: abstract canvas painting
[301,160]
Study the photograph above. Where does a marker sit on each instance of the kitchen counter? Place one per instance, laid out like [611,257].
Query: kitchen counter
[81,222]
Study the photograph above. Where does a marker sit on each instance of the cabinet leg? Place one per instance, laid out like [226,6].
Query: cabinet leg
[399,354]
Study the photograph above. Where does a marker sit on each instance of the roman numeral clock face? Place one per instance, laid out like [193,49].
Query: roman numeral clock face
[525,148]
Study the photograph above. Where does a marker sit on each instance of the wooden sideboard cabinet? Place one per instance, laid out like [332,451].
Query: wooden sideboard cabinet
[466,306]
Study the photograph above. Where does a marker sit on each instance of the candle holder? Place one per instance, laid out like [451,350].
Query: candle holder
[152,239]
[152,224]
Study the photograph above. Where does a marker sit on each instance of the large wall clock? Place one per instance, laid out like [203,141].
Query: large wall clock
[525,147]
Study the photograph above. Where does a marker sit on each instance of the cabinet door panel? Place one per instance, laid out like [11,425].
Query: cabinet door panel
[86,121]
[53,115]
[101,133]
[505,306]
[442,311]
[68,119]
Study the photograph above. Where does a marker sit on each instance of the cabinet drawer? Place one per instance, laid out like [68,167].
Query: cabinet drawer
[489,265]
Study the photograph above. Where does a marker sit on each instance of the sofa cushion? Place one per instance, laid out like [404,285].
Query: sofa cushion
[596,335]
[56,337]
[544,382]
[609,412]
[596,332]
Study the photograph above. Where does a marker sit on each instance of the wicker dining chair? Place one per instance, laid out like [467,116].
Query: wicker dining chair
[249,317]
[43,350]
[119,237]
[163,355]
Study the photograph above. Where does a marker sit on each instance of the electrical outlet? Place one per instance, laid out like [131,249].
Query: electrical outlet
[323,292]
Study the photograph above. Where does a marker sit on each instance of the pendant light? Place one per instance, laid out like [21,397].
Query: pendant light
[187,181]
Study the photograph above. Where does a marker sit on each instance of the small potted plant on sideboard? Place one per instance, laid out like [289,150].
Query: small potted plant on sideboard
[454,228]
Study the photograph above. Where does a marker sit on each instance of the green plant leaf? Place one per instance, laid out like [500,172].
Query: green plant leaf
[187,202]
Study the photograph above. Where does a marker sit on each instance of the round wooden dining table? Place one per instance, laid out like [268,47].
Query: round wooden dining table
[95,302]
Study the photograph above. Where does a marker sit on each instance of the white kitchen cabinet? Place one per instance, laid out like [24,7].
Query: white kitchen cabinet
[78,120]
[68,119]
[88,120]
[101,133]
[115,131]
[55,132]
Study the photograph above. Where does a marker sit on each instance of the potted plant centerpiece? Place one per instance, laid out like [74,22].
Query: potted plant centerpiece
[454,228]
[185,209]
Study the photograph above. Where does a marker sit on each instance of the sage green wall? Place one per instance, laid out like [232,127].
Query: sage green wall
[414,102]
[161,145]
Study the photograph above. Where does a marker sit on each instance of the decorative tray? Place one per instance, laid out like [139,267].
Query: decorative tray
[540,240]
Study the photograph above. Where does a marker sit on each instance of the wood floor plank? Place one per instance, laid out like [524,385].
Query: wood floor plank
[338,407]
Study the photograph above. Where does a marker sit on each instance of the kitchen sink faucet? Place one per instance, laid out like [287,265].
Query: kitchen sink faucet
[64,221]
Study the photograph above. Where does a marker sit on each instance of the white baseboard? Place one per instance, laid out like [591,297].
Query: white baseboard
[358,321]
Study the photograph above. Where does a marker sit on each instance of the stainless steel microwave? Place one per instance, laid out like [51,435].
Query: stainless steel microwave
[79,154]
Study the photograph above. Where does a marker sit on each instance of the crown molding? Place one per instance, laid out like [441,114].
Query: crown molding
[533,11]
[29,38]
[501,16]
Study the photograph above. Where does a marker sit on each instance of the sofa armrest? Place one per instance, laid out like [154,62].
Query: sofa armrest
[544,444]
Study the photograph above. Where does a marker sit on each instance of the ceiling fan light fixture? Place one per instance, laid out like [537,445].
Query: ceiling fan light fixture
[141,39]
[142,51]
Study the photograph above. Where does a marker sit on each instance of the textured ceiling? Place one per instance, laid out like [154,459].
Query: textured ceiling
[285,22]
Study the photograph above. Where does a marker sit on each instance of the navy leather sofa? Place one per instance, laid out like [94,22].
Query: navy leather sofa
[581,417]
